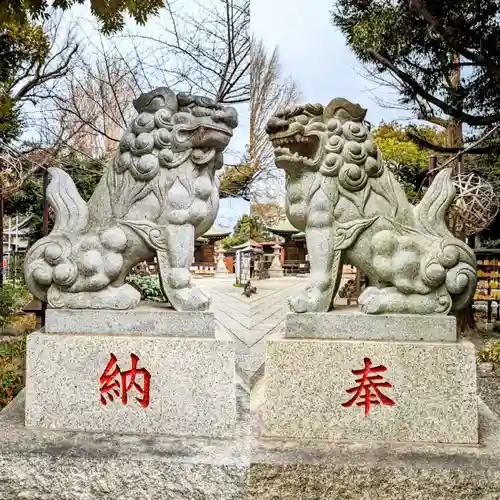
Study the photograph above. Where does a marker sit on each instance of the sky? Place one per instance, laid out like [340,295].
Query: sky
[314,54]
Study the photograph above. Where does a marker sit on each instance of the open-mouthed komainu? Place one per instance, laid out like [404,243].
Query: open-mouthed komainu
[353,211]
[157,196]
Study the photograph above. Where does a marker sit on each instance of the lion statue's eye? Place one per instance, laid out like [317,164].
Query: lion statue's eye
[302,119]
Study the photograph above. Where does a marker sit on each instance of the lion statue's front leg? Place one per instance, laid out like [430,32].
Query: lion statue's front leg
[354,211]
[157,196]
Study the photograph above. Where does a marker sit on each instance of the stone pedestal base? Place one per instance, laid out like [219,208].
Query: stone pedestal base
[131,384]
[221,270]
[40,464]
[365,390]
[48,465]
[147,319]
[276,273]
[289,470]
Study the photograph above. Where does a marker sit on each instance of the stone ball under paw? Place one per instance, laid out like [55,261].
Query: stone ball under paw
[114,238]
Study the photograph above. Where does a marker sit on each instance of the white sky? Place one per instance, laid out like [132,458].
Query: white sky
[314,54]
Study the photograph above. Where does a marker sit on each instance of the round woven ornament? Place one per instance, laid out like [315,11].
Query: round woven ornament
[475,206]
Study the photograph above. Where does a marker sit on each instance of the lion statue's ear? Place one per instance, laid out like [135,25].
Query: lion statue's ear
[344,110]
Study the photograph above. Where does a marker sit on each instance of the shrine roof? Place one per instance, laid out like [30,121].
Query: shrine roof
[283,227]
[216,232]
[249,243]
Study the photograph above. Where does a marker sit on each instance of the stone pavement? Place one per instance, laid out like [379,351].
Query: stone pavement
[250,321]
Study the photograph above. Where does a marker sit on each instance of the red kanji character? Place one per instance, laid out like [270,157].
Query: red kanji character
[111,384]
[369,388]
[132,373]
[108,381]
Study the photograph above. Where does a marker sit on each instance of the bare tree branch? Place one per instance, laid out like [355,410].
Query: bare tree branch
[210,49]
[418,89]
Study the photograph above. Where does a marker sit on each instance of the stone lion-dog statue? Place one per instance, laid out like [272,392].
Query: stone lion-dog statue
[354,211]
[157,196]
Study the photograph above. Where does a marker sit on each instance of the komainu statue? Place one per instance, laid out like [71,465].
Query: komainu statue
[158,195]
[354,211]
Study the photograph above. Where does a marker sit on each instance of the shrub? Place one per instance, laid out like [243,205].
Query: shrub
[12,359]
[149,286]
[13,298]
[490,353]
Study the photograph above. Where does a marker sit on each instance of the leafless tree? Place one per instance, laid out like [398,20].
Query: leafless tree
[270,90]
[33,76]
[257,179]
[206,47]
[91,107]
[27,90]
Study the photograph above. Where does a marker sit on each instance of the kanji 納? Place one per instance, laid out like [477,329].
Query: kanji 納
[115,382]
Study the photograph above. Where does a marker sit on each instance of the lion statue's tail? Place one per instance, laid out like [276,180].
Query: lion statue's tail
[454,255]
[71,216]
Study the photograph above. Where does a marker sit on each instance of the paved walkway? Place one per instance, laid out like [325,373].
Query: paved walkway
[249,322]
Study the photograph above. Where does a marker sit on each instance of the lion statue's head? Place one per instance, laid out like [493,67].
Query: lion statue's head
[172,128]
[332,140]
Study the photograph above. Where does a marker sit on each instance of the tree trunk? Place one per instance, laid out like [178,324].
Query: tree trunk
[455,138]
[465,320]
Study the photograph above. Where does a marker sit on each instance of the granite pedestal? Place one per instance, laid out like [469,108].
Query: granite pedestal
[44,464]
[38,464]
[132,383]
[328,382]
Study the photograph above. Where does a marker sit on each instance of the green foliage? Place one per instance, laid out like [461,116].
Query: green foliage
[491,243]
[29,200]
[111,15]
[22,44]
[13,298]
[490,353]
[408,161]
[149,286]
[247,228]
[235,181]
[12,362]
[391,36]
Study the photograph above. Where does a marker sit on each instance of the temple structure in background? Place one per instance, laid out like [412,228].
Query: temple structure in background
[205,252]
[294,249]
